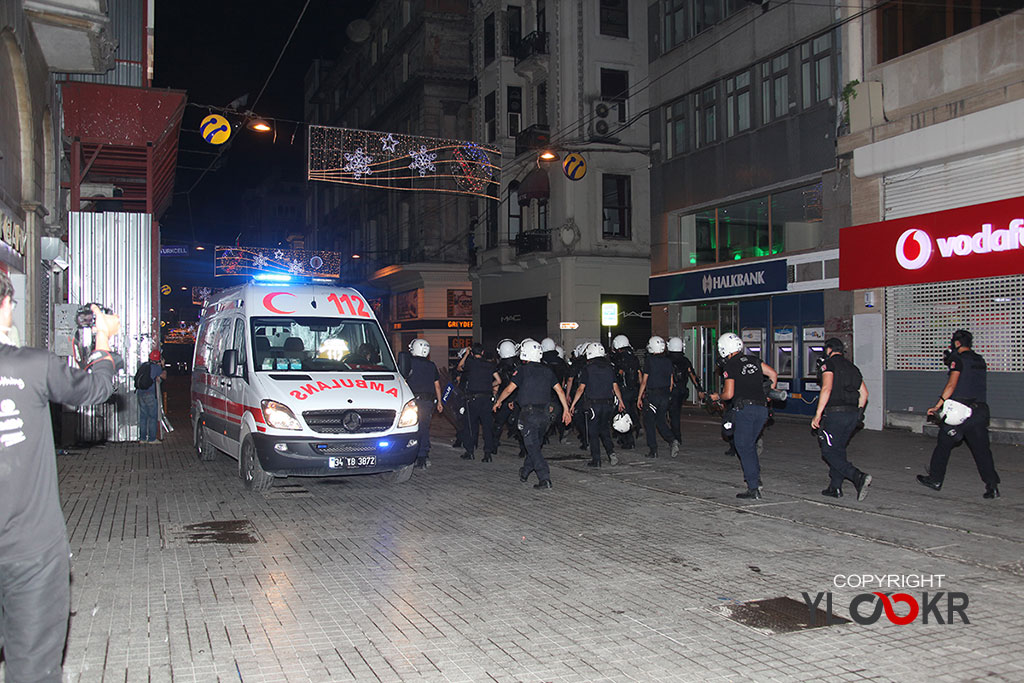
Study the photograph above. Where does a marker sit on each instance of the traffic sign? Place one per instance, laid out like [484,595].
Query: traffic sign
[568,326]
[609,315]
[165,289]
[215,129]
[574,166]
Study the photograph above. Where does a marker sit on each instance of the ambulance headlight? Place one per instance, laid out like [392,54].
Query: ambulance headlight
[410,415]
[278,415]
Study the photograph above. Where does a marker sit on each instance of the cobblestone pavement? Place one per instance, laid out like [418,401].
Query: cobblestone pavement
[465,574]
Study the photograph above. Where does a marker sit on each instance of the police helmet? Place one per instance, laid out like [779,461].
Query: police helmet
[675,344]
[547,344]
[728,344]
[419,348]
[655,345]
[621,341]
[580,349]
[622,422]
[530,350]
[954,413]
[595,350]
[506,348]
[560,351]
[463,351]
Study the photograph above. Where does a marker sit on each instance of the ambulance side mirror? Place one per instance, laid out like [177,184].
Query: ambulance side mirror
[229,363]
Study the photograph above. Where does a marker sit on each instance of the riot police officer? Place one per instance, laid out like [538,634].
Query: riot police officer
[482,382]
[744,385]
[534,382]
[627,367]
[963,407]
[840,405]
[597,383]
[682,372]
[550,357]
[425,383]
[655,388]
[506,415]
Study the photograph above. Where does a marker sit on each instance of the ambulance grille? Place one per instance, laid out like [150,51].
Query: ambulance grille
[334,421]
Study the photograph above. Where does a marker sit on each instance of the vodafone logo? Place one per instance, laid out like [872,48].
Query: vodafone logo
[914,247]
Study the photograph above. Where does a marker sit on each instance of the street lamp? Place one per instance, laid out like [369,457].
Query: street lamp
[548,155]
[258,125]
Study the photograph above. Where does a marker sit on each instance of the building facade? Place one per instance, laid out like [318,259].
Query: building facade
[936,148]
[571,234]
[409,73]
[746,195]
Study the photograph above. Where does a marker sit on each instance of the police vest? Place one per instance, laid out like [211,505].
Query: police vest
[659,371]
[600,376]
[479,375]
[421,377]
[627,365]
[846,381]
[745,371]
[534,382]
[972,385]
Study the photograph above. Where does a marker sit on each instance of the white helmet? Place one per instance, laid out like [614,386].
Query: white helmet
[622,422]
[954,413]
[675,344]
[621,341]
[655,345]
[530,350]
[462,352]
[595,350]
[419,348]
[524,341]
[728,344]
[580,349]
[560,351]
[506,348]
[547,344]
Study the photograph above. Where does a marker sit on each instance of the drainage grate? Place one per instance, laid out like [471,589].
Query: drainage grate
[779,615]
[226,531]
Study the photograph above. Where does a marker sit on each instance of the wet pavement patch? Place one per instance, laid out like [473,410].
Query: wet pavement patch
[225,531]
[779,615]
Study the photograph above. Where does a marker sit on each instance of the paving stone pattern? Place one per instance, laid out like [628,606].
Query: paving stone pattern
[465,574]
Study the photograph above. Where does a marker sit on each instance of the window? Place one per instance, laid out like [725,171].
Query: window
[515,109]
[542,215]
[737,104]
[908,25]
[675,128]
[816,70]
[674,23]
[492,225]
[490,117]
[324,344]
[743,230]
[705,14]
[515,215]
[796,218]
[542,22]
[616,207]
[542,103]
[514,26]
[775,88]
[615,88]
[706,116]
[488,39]
[697,238]
[614,18]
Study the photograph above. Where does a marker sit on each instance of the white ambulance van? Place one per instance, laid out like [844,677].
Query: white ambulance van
[299,380]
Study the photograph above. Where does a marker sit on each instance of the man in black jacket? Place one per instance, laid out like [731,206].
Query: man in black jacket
[34,553]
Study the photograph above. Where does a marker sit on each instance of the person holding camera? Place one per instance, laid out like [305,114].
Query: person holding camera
[35,596]
[147,392]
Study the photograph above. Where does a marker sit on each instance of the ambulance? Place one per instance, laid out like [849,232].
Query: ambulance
[299,380]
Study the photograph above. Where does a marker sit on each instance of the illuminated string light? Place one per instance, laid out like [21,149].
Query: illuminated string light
[237,260]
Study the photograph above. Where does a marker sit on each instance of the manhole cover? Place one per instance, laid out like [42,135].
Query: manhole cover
[780,615]
[227,531]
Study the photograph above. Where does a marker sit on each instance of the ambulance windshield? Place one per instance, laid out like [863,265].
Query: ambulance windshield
[282,344]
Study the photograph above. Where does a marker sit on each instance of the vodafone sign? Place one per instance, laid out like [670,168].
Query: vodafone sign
[984,240]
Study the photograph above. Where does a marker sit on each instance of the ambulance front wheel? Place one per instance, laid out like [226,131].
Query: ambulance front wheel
[399,475]
[253,475]
[203,448]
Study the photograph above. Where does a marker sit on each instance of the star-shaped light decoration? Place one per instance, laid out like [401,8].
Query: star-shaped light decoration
[388,143]
[278,254]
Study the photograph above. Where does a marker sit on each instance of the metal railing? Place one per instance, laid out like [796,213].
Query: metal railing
[530,45]
[531,241]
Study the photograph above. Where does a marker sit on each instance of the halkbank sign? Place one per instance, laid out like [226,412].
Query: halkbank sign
[749,279]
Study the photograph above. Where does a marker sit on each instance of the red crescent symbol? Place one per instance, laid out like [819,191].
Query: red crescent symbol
[268,303]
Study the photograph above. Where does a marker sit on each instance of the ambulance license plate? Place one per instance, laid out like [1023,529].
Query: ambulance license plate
[346,462]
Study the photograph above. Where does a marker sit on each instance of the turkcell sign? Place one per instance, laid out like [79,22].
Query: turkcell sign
[174,250]
[750,279]
[983,240]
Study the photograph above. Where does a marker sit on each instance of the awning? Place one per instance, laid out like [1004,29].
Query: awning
[535,186]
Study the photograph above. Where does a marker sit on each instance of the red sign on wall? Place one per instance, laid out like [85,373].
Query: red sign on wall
[983,240]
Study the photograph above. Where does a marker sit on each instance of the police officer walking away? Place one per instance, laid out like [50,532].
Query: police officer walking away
[655,387]
[482,382]
[627,365]
[534,381]
[965,389]
[597,383]
[744,385]
[840,405]
[682,372]
[425,382]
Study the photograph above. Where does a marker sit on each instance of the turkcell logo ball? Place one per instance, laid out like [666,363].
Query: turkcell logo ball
[215,129]
[574,165]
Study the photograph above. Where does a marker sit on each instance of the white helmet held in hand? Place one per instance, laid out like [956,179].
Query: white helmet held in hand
[621,341]
[530,350]
[655,345]
[622,422]
[547,344]
[506,348]
[560,351]
[580,349]
[595,350]
[728,344]
[675,344]
[419,348]
[954,412]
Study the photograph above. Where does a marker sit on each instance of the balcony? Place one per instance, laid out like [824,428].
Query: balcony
[533,137]
[73,34]
[531,241]
[531,54]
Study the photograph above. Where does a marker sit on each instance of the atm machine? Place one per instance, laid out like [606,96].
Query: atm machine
[813,348]
[753,340]
[784,356]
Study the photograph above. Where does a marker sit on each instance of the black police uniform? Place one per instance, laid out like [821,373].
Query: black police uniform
[579,421]
[839,420]
[749,412]
[479,375]
[681,369]
[627,365]
[508,411]
[658,368]
[598,380]
[534,384]
[971,390]
[561,370]
[422,375]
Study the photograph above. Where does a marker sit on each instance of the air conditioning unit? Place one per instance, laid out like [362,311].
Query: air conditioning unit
[515,124]
[604,117]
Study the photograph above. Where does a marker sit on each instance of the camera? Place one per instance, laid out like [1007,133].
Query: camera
[85,337]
